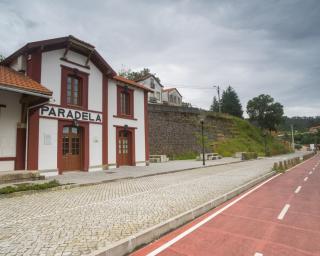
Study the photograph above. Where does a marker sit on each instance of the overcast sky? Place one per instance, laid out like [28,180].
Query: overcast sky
[257,46]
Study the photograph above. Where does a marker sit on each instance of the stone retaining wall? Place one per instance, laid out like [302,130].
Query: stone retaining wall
[175,131]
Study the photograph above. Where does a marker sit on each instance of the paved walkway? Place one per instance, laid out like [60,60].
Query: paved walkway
[83,219]
[282,217]
[136,171]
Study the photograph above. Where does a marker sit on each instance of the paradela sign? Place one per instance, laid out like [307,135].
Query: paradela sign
[70,114]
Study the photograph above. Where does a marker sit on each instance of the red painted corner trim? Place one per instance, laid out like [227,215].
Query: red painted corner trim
[146,126]
[33,139]
[105,120]
[34,65]
[20,149]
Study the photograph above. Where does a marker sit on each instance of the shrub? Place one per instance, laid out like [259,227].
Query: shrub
[26,187]
[249,155]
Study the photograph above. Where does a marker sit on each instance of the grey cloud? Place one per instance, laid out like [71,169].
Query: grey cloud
[255,46]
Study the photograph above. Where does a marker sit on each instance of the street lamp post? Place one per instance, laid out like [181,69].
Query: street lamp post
[265,143]
[218,90]
[202,138]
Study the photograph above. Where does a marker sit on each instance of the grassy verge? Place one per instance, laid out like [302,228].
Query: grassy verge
[26,187]
[185,156]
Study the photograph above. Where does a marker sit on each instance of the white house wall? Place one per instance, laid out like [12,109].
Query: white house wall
[113,121]
[48,128]
[51,76]
[157,88]
[9,117]
[95,147]
[48,144]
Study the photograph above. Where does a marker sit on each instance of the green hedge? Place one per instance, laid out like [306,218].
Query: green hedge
[25,187]
[249,155]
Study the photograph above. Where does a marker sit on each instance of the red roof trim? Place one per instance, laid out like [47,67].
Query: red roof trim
[130,82]
[60,43]
[172,89]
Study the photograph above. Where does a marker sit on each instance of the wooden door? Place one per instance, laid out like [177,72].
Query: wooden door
[71,148]
[124,148]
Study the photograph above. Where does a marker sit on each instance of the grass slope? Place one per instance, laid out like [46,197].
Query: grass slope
[250,139]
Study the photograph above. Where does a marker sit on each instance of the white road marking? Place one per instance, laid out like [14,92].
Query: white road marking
[306,178]
[258,254]
[283,212]
[310,172]
[201,223]
[297,190]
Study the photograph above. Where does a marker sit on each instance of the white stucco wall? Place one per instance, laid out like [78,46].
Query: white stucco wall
[9,117]
[95,147]
[157,88]
[48,144]
[165,96]
[174,93]
[51,76]
[139,123]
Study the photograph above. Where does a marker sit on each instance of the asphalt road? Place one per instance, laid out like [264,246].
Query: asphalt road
[278,217]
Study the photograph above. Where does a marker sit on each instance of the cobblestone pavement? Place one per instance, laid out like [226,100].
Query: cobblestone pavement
[81,220]
[136,171]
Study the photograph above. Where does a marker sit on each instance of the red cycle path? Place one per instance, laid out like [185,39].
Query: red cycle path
[251,225]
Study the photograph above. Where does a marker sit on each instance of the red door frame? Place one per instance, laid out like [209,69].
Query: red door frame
[84,144]
[133,144]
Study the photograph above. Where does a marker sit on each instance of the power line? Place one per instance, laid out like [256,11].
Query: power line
[188,87]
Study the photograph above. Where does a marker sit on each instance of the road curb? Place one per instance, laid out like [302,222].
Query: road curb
[128,245]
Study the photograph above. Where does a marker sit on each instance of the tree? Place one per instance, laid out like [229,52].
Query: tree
[230,102]
[135,75]
[1,57]
[265,112]
[215,105]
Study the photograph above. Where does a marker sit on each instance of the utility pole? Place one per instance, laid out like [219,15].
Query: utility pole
[292,137]
[218,90]
[202,138]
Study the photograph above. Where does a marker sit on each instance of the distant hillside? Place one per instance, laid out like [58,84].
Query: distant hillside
[299,123]
[176,132]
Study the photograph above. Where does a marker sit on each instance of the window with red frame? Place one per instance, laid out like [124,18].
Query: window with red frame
[74,91]
[125,102]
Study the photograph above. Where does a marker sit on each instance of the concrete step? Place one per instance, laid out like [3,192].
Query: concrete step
[17,176]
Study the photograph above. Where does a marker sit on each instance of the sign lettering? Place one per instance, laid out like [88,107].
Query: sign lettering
[70,114]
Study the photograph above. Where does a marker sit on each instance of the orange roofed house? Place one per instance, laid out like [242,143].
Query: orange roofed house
[63,108]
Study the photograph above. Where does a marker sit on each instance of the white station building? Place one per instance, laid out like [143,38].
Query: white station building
[63,108]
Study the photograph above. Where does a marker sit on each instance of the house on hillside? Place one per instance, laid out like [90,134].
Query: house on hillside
[63,108]
[150,81]
[172,96]
[158,94]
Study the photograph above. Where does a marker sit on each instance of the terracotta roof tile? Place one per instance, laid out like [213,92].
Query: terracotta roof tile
[130,82]
[13,79]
